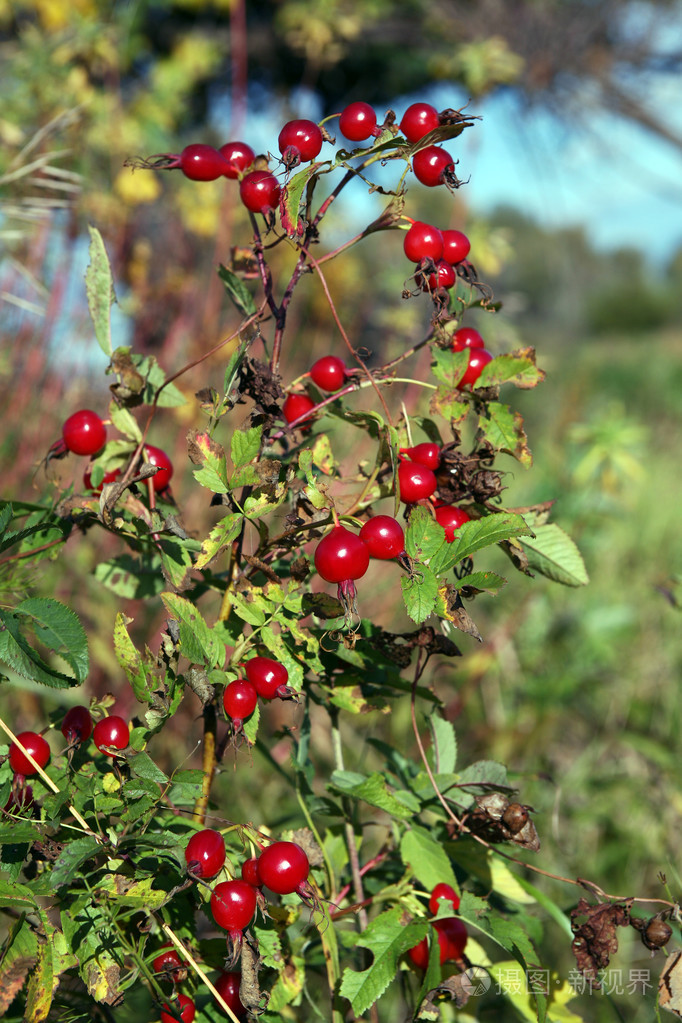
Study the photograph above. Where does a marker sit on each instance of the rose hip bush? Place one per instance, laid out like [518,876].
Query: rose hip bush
[124,882]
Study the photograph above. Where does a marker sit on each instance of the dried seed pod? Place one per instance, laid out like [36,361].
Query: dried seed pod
[515,817]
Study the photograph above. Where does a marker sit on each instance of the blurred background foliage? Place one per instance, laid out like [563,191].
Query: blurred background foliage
[575,690]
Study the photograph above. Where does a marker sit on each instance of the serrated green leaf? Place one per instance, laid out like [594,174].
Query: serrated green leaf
[517,368]
[176,560]
[444,744]
[155,379]
[59,628]
[425,857]
[248,610]
[198,642]
[99,288]
[50,531]
[124,421]
[220,537]
[130,577]
[478,778]
[237,290]
[292,194]
[420,591]
[73,856]
[449,366]
[487,581]
[245,445]
[16,651]
[17,896]
[423,536]
[139,673]
[479,533]
[387,938]
[374,790]
[142,766]
[504,430]
[554,554]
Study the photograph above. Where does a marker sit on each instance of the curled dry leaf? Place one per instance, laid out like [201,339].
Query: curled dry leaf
[496,819]
[670,984]
[595,938]
[457,989]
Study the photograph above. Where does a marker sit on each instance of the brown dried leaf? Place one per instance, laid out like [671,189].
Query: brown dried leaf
[670,984]
[595,939]
[451,608]
[496,819]
[13,979]
[457,988]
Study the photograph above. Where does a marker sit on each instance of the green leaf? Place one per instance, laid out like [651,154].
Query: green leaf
[16,651]
[374,790]
[292,193]
[6,514]
[479,778]
[141,678]
[220,537]
[487,581]
[16,896]
[387,938]
[423,536]
[197,642]
[142,766]
[425,857]
[420,591]
[237,290]
[449,366]
[553,553]
[59,628]
[124,421]
[130,577]
[245,445]
[71,858]
[444,744]
[479,533]
[518,368]
[504,430]
[99,288]
[176,560]
[155,378]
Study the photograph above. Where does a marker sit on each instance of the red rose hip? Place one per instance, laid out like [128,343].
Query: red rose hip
[422,241]
[418,120]
[77,725]
[295,406]
[183,1006]
[238,157]
[416,482]
[34,744]
[478,358]
[159,458]
[84,433]
[283,867]
[205,853]
[328,373]
[111,732]
[358,121]
[451,518]
[384,537]
[268,677]
[259,191]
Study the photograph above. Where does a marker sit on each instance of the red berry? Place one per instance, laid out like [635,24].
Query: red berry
[295,406]
[19,799]
[112,731]
[259,191]
[202,163]
[416,482]
[443,891]
[266,676]
[183,1006]
[205,853]
[384,537]
[239,700]
[84,433]
[478,358]
[227,985]
[250,872]
[426,453]
[444,277]
[300,140]
[36,746]
[283,867]
[167,961]
[358,121]
[466,337]
[238,157]
[109,477]
[341,556]
[422,241]
[233,904]
[329,373]
[451,518]
[155,456]
[456,246]
[452,934]
[418,120]
[431,165]
[77,725]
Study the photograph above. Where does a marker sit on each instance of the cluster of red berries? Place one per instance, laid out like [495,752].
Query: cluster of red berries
[441,249]
[266,678]
[451,931]
[170,967]
[85,433]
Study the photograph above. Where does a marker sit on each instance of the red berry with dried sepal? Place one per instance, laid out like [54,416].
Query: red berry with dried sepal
[34,744]
[299,141]
[418,120]
[111,735]
[466,337]
[233,905]
[283,867]
[416,482]
[444,277]
[84,433]
[260,191]
[427,453]
[199,162]
[432,166]
[358,121]
[341,557]
[451,518]
[295,406]
[238,157]
[422,241]
[383,536]
[328,373]
[183,1006]
[478,359]
[77,725]
[205,853]
[456,246]
[169,963]
[268,677]
[158,458]
[227,985]
[239,700]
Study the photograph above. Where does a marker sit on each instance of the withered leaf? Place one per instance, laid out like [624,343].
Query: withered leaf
[496,819]
[670,984]
[457,988]
[13,980]
[595,938]
[454,611]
